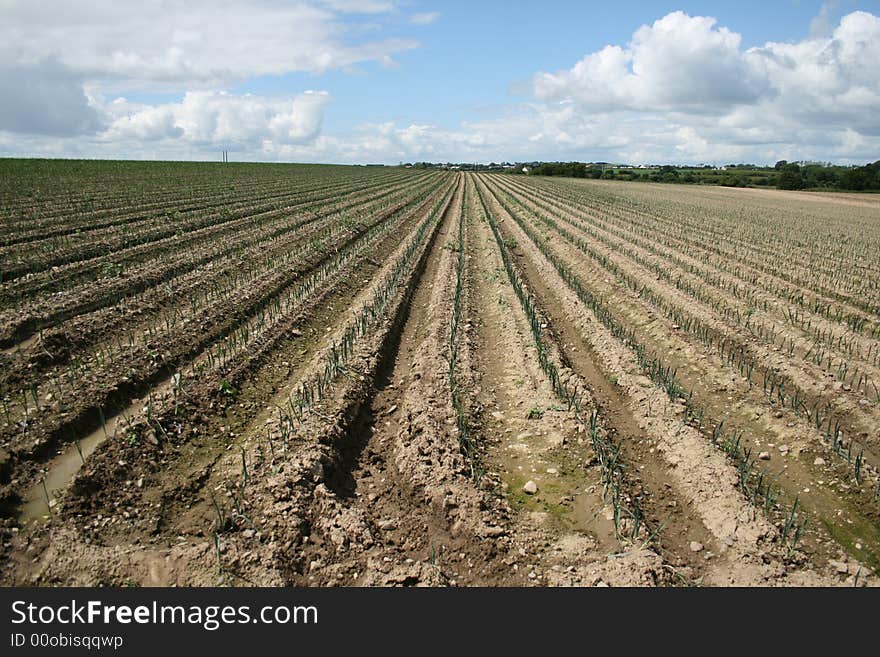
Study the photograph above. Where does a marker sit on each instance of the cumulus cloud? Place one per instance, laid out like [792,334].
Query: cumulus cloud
[61,59]
[679,63]
[831,82]
[682,89]
[690,91]
[220,120]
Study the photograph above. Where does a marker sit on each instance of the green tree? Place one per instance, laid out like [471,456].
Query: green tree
[790,177]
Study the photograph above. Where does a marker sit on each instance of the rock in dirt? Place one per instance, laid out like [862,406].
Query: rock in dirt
[839,566]
[530,487]
[764,456]
[819,461]
[696,547]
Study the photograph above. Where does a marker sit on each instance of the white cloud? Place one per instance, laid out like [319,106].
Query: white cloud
[219,120]
[425,18]
[683,89]
[823,23]
[359,6]
[60,60]
[678,63]
[163,44]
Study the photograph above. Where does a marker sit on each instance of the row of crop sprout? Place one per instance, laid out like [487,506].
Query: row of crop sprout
[91,198]
[91,194]
[263,311]
[837,246]
[312,390]
[175,236]
[221,285]
[171,207]
[773,384]
[151,260]
[778,388]
[456,390]
[128,346]
[240,278]
[847,345]
[198,284]
[680,236]
[856,378]
[629,519]
[220,361]
[39,256]
[756,486]
[278,308]
[19,261]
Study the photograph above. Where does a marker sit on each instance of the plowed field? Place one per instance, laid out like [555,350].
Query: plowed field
[314,375]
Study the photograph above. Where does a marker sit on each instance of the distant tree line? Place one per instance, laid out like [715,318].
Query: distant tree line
[784,175]
[811,176]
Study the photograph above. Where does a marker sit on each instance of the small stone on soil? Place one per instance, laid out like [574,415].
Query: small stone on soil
[839,566]
[530,487]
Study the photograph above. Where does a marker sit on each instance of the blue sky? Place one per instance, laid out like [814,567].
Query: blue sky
[478,57]
[385,80]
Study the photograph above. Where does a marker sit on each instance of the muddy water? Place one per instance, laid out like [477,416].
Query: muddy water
[42,497]
[21,346]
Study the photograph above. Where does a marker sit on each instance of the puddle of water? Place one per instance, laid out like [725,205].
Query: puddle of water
[21,346]
[588,511]
[41,498]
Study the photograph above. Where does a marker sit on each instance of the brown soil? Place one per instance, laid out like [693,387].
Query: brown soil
[402,470]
